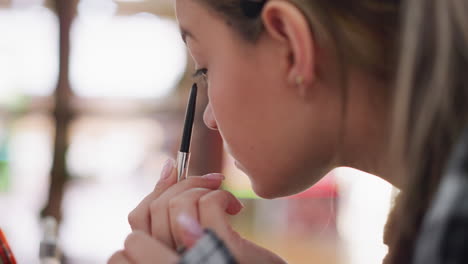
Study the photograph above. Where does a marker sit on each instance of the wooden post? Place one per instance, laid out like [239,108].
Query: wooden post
[63,112]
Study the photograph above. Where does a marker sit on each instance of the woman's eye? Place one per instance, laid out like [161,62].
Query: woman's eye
[201,76]
[203,72]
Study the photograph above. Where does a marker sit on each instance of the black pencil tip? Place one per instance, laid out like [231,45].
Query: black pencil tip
[189,119]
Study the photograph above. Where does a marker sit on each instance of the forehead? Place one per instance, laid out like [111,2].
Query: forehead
[192,19]
[200,23]
[190,13]
[204,25]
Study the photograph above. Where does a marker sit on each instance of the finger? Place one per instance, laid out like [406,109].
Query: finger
[212,212]
[142,249]
[191,230]
[185,204]
[139,218]
[167,179]
[118,258]
[159,208]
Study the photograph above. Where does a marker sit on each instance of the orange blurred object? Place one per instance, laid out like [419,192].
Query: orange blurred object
[6,255]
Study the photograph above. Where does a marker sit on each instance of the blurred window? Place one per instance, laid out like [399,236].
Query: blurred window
[135,56]
[28,51]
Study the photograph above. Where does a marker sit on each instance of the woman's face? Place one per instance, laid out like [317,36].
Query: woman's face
[281,141]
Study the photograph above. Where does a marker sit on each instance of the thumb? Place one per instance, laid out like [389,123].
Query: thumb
[191,229]
[213,210]
[212,213]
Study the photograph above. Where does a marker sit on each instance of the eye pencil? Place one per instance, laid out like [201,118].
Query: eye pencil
[183,157]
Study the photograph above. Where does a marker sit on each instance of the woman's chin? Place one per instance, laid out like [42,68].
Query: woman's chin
[265,194]
[267,191]
[271,184]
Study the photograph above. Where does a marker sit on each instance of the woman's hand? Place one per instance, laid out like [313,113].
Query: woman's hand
[140,248]
[212,208]
[174,215]
[154,214]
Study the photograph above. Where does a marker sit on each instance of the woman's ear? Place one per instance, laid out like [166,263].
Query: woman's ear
[287,24]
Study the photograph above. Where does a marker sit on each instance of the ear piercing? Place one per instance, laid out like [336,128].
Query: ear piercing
[300,84]
[299,80]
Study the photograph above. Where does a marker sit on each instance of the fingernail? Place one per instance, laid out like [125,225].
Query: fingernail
[167,169]
[190,226]
[214,176]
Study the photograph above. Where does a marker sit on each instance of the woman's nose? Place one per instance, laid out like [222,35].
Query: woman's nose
[209,119]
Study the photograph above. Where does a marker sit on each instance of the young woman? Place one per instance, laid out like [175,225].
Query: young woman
[298,87]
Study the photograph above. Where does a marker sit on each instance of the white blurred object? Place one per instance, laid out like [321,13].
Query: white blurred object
[28,52]
[364,208]
[26,3]
[97,8]
[49,252]
[129,1]
[139,56]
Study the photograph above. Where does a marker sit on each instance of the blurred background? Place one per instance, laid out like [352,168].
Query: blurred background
[92,101]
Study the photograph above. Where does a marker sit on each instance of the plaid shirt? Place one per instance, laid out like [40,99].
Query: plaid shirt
[208,250]
[444,234]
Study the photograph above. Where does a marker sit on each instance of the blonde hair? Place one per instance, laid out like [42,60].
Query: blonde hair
[430,112]
[364,31]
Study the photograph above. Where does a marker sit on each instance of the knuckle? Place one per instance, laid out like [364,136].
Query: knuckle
[197,181]
[212,197]
[155,206]
[134,241]
[191,182]
[134,218]
[117,256]
[198,190]
[188,197]
[131,240]
[175,202]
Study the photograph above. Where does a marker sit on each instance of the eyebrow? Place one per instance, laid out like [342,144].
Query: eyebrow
[184,34]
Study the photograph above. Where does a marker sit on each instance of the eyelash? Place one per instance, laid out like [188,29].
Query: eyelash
[201,72]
